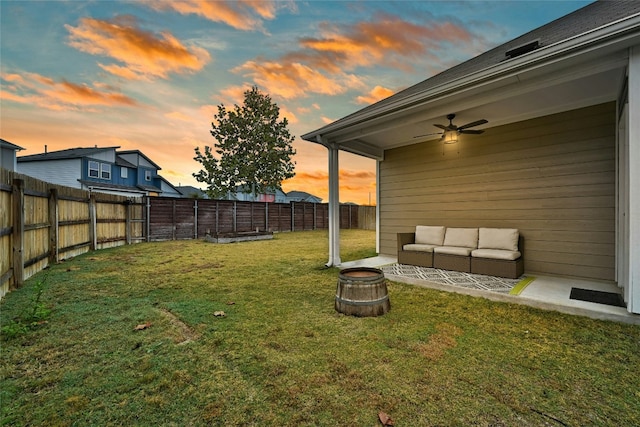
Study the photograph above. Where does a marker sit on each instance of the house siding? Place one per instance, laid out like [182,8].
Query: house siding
[107,156]
[116,176]
[552,177]
[8,158]
[62,172]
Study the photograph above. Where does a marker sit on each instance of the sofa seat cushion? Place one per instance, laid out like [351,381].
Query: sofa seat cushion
[453,250]
[429,235]
[505,239]
[496,254]
[461,237]
[418,247]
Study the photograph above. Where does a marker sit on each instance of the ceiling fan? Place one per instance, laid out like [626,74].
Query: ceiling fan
[453,129]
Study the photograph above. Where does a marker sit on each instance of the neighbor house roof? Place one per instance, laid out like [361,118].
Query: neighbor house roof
[580,22]
[301,196]
[122,162]
[70,153]
[141,154]
[76,153]
[190,191]
[6,144]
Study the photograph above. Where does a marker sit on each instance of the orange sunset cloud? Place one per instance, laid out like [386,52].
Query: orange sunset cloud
[233,94]
[367,43]
[35,89]
[238,14]
[375,95]
[293,80]
[144,54]
[178,115]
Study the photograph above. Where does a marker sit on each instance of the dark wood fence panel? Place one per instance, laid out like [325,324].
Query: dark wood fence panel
[161,219]
[172,219]
[322,216]
[207,217]
[226,221]
[279,217]
[244,217]
[185,219]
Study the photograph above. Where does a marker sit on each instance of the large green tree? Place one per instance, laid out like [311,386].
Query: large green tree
[254,148]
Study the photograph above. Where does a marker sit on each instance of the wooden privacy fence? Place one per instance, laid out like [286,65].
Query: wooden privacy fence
[173,219]
[41,223]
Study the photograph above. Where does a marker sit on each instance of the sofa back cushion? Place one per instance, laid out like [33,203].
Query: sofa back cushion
[498,238]
[461,237]
[429,235]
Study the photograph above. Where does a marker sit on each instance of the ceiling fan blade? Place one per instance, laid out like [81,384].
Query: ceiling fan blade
[472,131]
[442,127]
[472,124]
[427,134]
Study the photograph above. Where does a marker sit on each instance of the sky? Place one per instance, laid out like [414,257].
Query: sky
[148,75]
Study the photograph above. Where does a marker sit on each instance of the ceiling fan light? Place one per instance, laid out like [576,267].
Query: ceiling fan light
[450,137]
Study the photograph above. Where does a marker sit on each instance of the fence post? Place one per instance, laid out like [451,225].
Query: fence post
[92,223]
[315,213]
[17,194]
[173,220]
[235,216]
[217,217]
[304,214]
[251,227]
[53,226]
[195,219]
[293,216]
[148,223]
[266,216]
[279,219]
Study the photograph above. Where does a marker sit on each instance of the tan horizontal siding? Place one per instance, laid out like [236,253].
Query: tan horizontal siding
[552,177]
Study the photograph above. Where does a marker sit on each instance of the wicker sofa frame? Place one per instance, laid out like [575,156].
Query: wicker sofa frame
[419,258]
[468,264]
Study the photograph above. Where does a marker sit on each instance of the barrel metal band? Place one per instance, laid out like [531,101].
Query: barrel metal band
[357,302]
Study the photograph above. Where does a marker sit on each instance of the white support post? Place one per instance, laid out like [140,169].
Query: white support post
[377,206]
[633,195]
[334,205]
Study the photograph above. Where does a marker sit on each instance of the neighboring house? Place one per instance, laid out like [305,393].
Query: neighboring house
[301,196]
[8,155]
[559,158]
[277,196]
[101,169]
[246,195]
[191,192]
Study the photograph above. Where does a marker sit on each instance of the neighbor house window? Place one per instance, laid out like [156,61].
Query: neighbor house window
[124,172]
[105,171]
[94,169]
[147,175]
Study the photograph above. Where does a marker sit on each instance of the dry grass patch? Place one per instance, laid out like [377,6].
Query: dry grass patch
[441,341]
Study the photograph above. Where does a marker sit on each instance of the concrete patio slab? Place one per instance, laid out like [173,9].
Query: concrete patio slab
[545,292]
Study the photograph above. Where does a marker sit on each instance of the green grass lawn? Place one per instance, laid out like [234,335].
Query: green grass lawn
[282,356]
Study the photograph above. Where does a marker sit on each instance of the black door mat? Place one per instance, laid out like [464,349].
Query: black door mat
[599,297]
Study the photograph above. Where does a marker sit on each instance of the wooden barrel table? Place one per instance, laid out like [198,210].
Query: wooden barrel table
[362,292]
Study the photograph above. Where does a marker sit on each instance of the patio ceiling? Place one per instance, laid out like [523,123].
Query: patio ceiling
[511,99]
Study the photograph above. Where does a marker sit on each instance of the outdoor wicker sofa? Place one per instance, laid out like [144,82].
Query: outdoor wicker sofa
[490,251]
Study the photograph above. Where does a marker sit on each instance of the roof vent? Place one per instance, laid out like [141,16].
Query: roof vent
[522,49]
